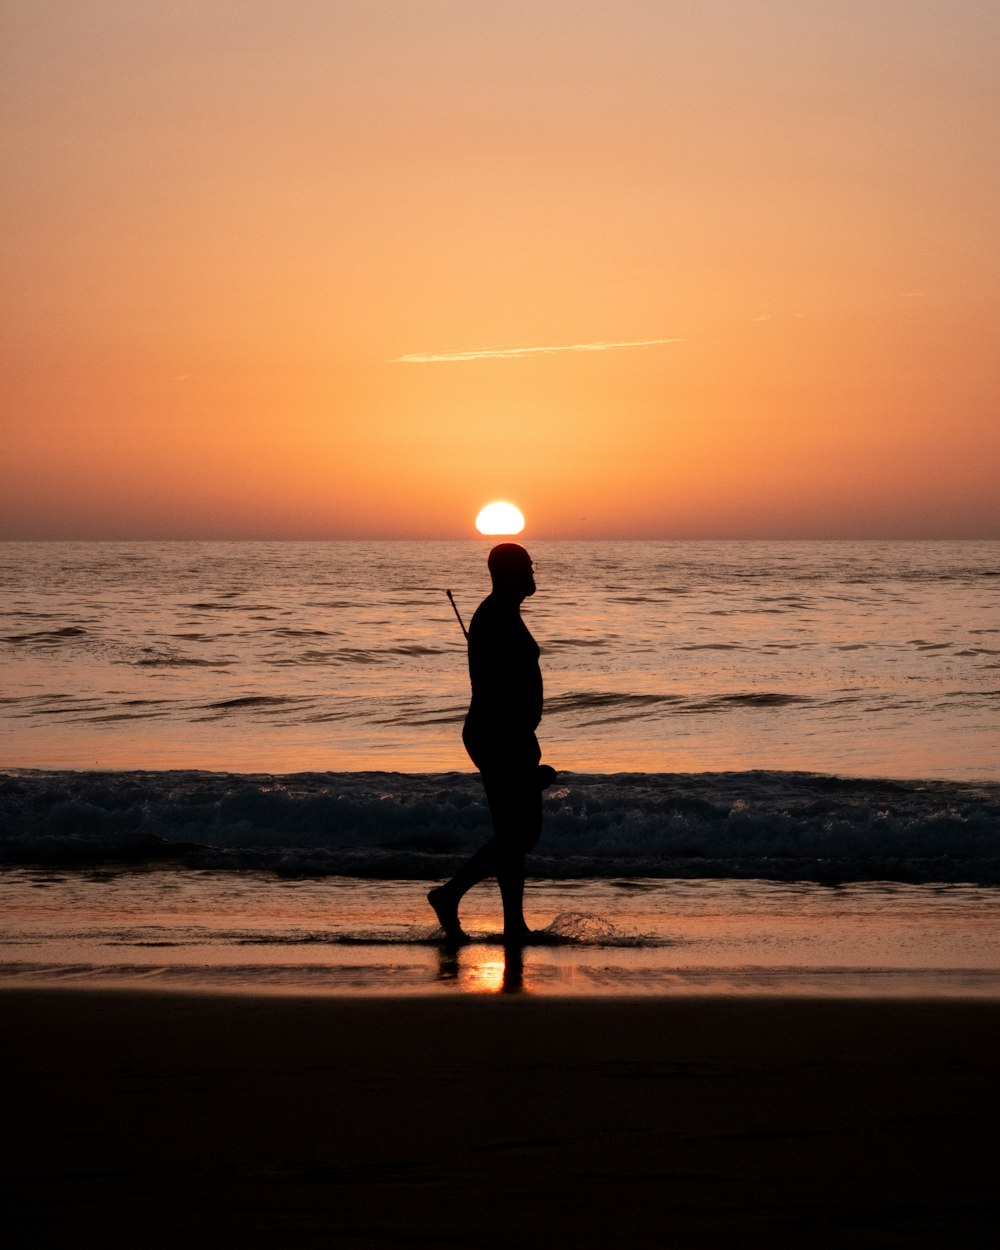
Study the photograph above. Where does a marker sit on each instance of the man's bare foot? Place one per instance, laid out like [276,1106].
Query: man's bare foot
[517,935]
[447,914]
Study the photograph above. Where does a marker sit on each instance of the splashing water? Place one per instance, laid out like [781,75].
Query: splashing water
[582,927]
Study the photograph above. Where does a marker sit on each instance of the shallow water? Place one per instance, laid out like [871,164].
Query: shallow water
[255,933]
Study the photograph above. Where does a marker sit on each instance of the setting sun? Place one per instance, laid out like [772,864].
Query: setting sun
[500,518]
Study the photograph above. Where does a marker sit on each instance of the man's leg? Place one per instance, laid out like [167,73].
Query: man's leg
[515,802]
[498,858]
[517,819]
[510,879]
[446,898]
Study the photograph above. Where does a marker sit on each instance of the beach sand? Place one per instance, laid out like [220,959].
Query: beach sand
[151,1119]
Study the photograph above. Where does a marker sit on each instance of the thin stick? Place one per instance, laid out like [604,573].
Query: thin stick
[451,600]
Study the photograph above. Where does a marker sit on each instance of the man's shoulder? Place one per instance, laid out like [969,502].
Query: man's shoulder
[493,615]
[488,610]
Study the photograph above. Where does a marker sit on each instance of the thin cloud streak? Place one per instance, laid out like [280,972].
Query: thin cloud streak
[503,353]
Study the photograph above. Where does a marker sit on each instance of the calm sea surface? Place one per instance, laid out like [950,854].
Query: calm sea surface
[862,659]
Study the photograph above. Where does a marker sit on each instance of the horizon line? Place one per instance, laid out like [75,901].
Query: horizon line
[551,537]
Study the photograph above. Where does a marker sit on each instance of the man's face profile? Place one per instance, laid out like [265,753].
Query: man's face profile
[529,576]
[512,570]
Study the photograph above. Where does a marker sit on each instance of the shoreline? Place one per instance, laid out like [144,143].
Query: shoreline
[501,976]
[464,772]
[704,1121]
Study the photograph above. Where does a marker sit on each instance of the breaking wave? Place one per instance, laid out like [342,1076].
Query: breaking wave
[766,825]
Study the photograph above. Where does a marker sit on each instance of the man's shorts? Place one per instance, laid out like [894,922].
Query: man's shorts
[509,769]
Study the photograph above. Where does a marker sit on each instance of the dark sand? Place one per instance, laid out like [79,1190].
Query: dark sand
[135,1119]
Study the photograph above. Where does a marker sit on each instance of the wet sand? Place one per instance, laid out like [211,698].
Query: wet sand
[151,1118]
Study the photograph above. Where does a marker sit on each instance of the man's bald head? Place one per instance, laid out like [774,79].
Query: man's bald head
[511,570]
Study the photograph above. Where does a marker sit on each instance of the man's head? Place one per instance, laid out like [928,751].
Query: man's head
[511,569]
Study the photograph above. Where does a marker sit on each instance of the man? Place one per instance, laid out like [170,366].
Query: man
[499,735]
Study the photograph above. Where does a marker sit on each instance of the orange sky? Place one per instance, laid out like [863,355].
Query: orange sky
[227,224]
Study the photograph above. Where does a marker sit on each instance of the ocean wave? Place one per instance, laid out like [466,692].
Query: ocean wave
[753,698]
[767,825]
[236,606]
[625,705]
[46,637]
[712,646]
[257,700]
[169,660]
[598,700]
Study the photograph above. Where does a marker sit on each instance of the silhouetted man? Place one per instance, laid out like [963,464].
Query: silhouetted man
[499,735]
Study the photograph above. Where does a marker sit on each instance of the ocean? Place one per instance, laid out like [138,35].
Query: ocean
[779,765]
[866,659]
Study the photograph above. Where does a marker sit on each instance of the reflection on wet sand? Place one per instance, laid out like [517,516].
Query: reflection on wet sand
[482,970]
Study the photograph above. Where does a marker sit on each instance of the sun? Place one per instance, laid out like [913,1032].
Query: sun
[500,518]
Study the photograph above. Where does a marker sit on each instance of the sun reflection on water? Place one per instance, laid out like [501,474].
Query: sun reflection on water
[484,974]
[475,970]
